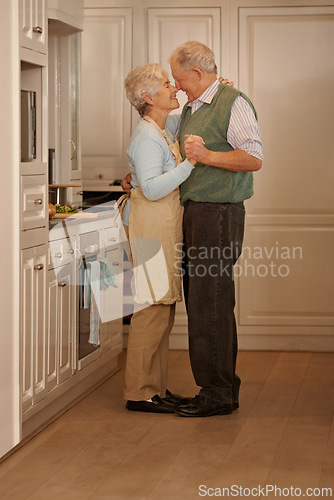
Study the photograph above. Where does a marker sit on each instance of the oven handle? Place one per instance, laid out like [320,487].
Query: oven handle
[104,251]
[77,267]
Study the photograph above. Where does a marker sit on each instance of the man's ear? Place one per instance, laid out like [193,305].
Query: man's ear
[199,73]
[147,98]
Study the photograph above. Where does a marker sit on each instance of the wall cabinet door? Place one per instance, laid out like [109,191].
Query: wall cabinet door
[33,25]
[64,105]
[33,329]
[285,288]
[106,113]
[169,27]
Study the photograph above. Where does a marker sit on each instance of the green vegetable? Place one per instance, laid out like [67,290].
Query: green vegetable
[64,209]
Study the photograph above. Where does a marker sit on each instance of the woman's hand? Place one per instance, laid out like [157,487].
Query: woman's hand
[226,81]
[194,148]
[126,183]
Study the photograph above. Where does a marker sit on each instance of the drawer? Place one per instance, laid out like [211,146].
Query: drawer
[61,253]
[34,212]
[109,238]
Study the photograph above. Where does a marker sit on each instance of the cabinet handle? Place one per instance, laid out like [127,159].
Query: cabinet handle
[39,201]
[74,149]
[115,263]
[38,30]
[58,255]
[38,267]
[62,283]
[100,176]
[70,251]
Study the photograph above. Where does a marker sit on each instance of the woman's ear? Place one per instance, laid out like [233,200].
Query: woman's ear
[147,98]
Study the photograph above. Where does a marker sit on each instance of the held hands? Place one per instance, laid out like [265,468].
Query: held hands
[126,183]
[194,149]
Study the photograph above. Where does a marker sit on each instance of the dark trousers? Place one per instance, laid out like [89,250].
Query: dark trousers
[213,236]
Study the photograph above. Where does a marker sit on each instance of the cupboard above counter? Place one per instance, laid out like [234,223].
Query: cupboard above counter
[68,13]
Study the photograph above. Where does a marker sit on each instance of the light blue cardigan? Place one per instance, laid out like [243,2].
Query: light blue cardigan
[152,163]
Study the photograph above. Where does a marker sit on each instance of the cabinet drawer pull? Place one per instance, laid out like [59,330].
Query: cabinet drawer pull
[62,283]
[38,267]
[115,263]
[39,201]
[38,30]
[58,255]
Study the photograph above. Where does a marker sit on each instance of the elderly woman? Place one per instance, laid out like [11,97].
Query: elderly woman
[154,219]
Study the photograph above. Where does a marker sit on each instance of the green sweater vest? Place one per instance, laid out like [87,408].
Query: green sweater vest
[207,183]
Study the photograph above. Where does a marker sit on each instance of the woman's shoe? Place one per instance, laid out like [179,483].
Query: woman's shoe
[157,405]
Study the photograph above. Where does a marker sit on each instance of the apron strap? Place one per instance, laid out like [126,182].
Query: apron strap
[120,204]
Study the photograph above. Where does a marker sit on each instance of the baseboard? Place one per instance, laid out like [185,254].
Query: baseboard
[269,342]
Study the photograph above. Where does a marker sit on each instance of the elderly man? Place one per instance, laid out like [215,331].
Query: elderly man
[213,220]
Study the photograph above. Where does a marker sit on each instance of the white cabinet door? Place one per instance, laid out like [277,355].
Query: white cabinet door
[33,321]
[33,25]
[52,331]
[65,323]
[64,105]
[62,325]
[169,27]
[106,113]
[286,290]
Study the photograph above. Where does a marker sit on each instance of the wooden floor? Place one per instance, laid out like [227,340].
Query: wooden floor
[282,435]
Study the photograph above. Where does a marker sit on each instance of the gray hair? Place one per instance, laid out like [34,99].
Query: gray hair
[191,55]
[144,80]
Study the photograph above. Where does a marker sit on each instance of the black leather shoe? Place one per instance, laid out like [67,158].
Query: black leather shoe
[203,407]
[157,405]
[176,399]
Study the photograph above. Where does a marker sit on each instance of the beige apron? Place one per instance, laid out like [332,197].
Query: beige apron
[155,235]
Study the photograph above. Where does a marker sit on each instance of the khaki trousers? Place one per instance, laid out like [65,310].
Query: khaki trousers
[147,354]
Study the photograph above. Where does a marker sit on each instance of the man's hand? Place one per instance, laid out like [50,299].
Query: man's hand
[126,183]
[194,148]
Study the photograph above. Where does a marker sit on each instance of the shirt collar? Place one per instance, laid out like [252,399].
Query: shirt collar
[207,95]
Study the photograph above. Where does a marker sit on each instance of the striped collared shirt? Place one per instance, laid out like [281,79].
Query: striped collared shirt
[243,130]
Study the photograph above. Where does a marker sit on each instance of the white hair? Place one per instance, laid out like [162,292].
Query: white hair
[143,80]
[191,55]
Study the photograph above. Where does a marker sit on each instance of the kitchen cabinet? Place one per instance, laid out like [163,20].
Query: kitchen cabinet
[33,325]
[69,14]
[33,25]
[62,299]
[106,114]
[33,209]
[64,106]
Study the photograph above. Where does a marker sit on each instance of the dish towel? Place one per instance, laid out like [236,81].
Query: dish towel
[107,274]
[94,336]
